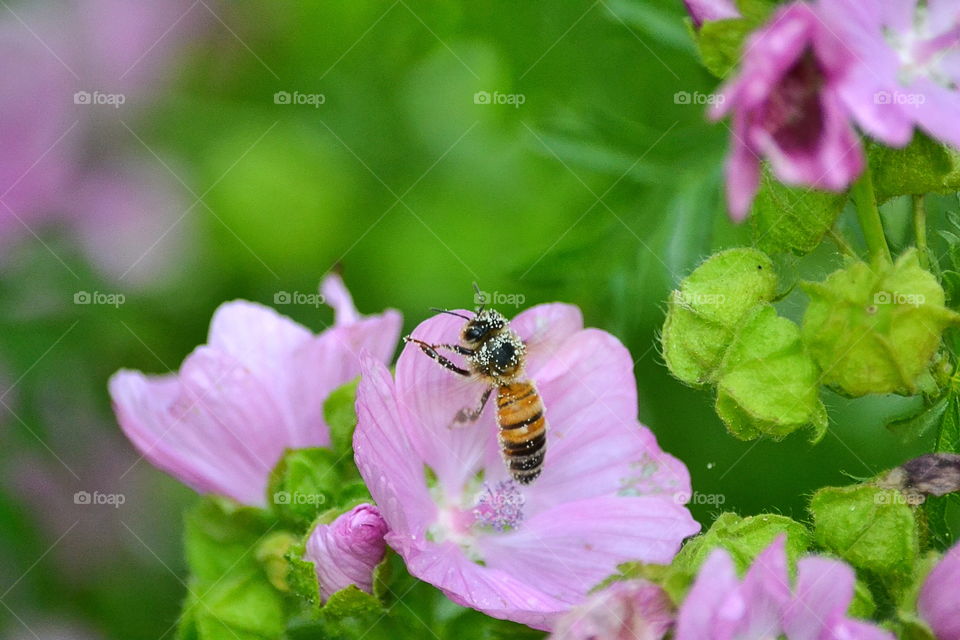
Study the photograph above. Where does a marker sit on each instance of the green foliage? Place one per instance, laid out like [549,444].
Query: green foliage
[341,416]
[768,384]
[876,328]
[872,528]
[720,42]
[742,537]
[705,312]
[792,219]
[923,166]
[230,594]
[304,484]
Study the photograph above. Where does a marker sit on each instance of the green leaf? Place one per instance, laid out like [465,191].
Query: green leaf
[704,313]
[923,166]
[340,415]
[768,384]
[793,219]
[230,594]
[876,329]
[872,528]
[304,484]
[352,602]
[720,42]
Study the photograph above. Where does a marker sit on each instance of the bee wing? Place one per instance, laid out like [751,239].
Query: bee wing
[543,329]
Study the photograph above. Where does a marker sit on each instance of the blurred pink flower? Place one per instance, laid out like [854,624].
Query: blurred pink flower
[787,109]
[906,66]
[607,493]
[633,610]
[709,10]
[255,389]
[719,606]
[939,601]
[346,551]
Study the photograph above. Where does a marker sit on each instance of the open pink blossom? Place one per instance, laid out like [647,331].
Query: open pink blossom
[905,67]
[255,389]
[939,601]
[347,551]
[607,493]
[787,109]
[631,610]
[709,10]
[763,605]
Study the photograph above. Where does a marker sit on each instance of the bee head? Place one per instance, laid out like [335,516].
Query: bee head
[482,327]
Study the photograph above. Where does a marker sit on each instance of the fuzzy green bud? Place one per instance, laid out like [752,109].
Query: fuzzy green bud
[705,312]
[871,527]
[876,328]
[768,384]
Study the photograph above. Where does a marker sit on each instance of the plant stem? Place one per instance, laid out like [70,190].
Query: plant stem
[869,216]
[920,229]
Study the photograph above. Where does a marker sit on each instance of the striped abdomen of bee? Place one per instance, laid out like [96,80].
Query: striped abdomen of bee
[523,429]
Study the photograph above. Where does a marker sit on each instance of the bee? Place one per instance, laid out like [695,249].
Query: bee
[495,355]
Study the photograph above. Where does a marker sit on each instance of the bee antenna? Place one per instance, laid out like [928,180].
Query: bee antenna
[447,311]
[480,298]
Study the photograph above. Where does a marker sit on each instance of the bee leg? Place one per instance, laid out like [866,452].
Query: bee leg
[431,350]
[471,415]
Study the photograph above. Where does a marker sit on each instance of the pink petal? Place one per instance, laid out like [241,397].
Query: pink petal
[824,588]
[572,547]
[387,460]
[715,582]
[544,328]
[337,296]
[590,402]
[492,591]
[939,600]
[766,590]
[743,177]
[433,395]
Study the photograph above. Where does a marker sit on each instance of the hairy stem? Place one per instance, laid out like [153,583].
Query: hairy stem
[869,216]
[920,229]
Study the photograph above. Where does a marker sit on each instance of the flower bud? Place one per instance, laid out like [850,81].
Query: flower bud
[704,313]
[876,328]
[346,551]
[768,384]
[631,610]
[870,527]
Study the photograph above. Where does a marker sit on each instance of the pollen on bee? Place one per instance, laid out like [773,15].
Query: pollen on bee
[500,507]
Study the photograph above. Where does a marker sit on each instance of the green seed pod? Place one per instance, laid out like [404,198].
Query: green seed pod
[704,313]
[768,384]
[875,329]
[870,527]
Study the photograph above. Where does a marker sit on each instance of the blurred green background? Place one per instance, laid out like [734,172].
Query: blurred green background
[602,189]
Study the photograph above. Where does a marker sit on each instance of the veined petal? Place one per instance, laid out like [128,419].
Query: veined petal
[824,587]
[544,328]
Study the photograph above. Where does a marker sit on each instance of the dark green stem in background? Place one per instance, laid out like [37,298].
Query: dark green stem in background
[920,229]
[869,216]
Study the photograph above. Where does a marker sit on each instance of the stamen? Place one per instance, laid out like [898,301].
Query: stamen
[500,508]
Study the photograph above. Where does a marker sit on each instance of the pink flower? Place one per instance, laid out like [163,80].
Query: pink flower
[255,389]
[787,109]
[347,551]
[906,66]
[709,10]
[634,610]
[719,606]
[939,601]
[519,552]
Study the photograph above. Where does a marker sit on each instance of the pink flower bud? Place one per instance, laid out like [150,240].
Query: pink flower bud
[346,551]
